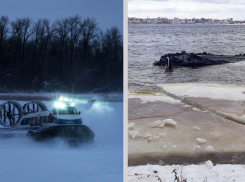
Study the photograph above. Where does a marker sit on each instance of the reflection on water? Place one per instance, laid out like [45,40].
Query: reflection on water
[149,43]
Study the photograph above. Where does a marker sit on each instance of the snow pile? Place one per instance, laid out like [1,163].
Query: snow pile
[196,173]
[209,164]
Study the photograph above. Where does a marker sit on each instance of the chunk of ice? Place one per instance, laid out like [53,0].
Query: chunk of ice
[201,140]
[147,135]
[161,125]
[130,125]
[155,123]
[133,133]
[170,122]
[196,128]
[209,148]
[154,137]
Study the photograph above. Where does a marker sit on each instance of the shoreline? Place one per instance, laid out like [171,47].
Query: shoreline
[176,159]
[193,24]
[52,96]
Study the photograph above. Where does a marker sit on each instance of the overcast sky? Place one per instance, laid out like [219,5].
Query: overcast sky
[220,9]
[108,13]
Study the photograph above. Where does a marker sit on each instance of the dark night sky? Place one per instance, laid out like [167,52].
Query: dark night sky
[108,13]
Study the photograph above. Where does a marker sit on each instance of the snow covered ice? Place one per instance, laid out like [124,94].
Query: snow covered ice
[25,160]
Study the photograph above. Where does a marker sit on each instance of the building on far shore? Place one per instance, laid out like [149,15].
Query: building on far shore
[176,20]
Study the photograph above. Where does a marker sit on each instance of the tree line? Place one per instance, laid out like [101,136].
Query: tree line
[71,54]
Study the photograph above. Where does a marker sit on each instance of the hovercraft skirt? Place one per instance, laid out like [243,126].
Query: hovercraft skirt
[80,133]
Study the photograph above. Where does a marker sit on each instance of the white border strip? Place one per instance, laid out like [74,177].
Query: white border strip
[125,90]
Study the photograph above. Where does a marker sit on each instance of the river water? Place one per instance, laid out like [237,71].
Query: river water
[147,43]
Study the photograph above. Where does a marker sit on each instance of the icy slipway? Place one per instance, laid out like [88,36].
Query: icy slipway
[186,120]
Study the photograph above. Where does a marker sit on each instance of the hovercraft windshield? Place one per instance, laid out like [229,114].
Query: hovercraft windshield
[67,111]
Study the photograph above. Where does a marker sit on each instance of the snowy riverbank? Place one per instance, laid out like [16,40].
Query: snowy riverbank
[102,160]
[109,97]
[192,173]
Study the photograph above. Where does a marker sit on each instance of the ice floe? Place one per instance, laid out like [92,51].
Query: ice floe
[209,148]
[161,125]
[130,125]
[196,128]
[153,98]
[133,133]
[212,91]
[201,140]
[155,123]
[170,122]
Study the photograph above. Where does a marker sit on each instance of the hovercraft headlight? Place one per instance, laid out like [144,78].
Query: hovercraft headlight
[59,105]
[61,98]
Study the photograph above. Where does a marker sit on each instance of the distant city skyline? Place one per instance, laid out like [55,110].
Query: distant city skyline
[176,20]
[215,9]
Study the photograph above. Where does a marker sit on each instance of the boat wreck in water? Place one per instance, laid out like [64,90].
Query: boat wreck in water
[197,60]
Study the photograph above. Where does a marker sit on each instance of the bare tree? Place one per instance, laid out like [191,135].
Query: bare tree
[62,30]
[89,31]
[112,50]
[27,32]
[4,21]
[74,33]
[71,54]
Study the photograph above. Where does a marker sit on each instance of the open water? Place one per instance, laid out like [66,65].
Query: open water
[147,43]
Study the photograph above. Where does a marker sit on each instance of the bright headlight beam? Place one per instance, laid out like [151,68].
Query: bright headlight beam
[59,104]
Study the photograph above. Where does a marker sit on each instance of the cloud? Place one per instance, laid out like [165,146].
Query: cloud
[220,9]
[203,1]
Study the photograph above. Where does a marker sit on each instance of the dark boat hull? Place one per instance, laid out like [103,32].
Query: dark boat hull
[198,60]
[76,133]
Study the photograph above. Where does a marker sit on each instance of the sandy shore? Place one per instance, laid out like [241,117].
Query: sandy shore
[209,123]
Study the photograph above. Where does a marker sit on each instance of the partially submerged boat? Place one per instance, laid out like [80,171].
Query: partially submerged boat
[35,121]
[184,59]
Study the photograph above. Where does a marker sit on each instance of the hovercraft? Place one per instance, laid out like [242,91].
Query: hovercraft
[35,121]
